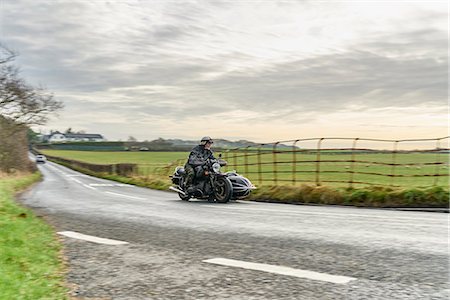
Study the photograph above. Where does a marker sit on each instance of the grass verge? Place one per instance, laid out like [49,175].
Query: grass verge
[382,197]
[30,264]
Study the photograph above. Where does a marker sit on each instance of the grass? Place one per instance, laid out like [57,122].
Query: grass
[30,264]
[376,196]
[338,173]
[148,161]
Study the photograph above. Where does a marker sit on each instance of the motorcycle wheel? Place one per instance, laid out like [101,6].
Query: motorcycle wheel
[223,190]
[184,197]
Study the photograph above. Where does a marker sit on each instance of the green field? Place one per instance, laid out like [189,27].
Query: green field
[419,165]
[101,157]
[148,162]
[338,167]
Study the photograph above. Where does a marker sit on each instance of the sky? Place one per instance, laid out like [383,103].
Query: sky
[255,70]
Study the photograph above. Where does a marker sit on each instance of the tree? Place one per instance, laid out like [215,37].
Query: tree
[19,101]
[21,105]
[32,136]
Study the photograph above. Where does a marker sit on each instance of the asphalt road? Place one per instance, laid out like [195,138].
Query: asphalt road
[380,254]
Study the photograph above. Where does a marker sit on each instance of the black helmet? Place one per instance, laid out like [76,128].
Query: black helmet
[206,139]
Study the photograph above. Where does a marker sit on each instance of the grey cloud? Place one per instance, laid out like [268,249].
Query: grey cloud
[429,42]
[169,32]
[335,82]
[68,56]
[323,84]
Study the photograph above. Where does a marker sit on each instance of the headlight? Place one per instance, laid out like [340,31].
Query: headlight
[216,167]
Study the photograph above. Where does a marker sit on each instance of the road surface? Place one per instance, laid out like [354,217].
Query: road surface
[127,242]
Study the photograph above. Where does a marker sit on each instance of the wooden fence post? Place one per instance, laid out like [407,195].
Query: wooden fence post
[246,160]
[352,170]
[294,163]
[394,162]
[319,144]
[259,165]
[436,169]
[274,162]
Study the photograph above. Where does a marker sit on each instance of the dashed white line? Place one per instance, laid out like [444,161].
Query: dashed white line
[126,196]
[90,238]
[281,270]
[76,180]
[90,187]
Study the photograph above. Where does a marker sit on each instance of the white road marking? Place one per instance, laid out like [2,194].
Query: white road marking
[101,184]
[127,196]
[90,187]
[76,180]
[280,270]
[90,238]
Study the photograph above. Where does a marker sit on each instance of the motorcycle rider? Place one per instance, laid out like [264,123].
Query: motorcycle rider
[197,159]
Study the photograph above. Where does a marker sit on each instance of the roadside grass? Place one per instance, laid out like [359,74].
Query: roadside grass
[376,196]
[30,263]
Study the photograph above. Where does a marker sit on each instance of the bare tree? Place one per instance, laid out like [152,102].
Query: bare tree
[21,105]
[19,101]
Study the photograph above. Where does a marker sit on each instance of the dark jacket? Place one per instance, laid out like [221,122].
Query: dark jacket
[199,155]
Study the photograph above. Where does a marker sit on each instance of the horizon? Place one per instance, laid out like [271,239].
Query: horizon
[312,142]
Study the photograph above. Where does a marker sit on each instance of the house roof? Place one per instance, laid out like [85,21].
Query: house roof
[83,135]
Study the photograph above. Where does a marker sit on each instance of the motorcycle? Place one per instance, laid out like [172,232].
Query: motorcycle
[212,184]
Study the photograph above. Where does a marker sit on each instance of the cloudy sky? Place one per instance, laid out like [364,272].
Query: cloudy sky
[256,70]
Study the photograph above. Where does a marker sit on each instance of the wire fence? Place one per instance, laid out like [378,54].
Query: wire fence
[345,161]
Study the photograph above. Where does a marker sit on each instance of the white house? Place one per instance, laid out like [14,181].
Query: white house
[58,137]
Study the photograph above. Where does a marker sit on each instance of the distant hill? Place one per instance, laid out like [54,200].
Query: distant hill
[155,145]
[219,143]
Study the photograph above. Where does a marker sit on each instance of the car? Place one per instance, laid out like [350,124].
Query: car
[41,159]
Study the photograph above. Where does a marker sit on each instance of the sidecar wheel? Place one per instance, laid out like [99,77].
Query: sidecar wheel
[223,190]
